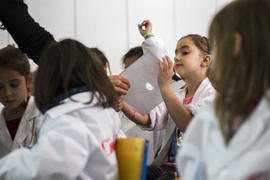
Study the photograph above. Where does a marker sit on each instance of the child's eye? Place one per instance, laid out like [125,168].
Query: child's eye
[184,53]
[14,84]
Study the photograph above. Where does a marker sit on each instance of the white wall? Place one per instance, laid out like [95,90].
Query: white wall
[112,25]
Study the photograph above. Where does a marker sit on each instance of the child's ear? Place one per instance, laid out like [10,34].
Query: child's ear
[237,43]
[206,60]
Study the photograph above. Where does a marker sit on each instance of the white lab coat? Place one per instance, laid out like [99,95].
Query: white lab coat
[76,142]
[161,120]
[27,132]
[247,156]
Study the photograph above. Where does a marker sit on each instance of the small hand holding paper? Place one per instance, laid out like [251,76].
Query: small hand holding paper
[119,105]
[165,72]
[120,83]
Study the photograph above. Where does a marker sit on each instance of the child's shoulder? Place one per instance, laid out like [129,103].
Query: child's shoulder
[206,89]
[31,109]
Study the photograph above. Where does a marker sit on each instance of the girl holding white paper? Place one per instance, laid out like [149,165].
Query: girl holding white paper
[192,60]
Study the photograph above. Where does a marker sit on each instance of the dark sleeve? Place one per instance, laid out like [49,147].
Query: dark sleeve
[29,35]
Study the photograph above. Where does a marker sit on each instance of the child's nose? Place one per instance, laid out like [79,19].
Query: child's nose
[8,91]
[177,58]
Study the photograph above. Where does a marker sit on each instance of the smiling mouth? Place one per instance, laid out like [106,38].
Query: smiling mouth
[177,65]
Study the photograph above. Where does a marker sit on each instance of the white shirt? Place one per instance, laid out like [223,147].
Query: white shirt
[27,132]
[160,118]
[76,142]
[247,156]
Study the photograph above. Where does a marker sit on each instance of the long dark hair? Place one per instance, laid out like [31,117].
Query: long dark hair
[102,57]
[66,65]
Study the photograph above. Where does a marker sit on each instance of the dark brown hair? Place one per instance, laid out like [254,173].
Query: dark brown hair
[67,65]
[241,77]
[136,51]
[201,42]
[101,57]
[13,58]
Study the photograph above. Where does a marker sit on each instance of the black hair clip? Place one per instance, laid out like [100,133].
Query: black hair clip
[176,77]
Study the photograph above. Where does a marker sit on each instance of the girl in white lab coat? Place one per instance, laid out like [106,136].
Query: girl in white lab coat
[77,137]
[192,59]
[230,140]
[20,119]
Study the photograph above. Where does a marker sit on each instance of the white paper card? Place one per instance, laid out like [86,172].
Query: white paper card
[144,93]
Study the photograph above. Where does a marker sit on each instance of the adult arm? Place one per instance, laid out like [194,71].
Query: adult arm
[28,34]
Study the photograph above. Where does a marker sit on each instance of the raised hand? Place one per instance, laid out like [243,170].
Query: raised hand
[145,29]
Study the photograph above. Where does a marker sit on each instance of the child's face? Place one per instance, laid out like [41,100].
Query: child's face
[13,88]
[188,58]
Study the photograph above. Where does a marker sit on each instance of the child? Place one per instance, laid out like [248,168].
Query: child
[230,140]
[131,56]
[19,119]
[80,126]
[192,58]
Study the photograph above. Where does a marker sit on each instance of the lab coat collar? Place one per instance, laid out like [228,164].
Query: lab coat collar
[4,134]
[30,113]
[31,110]
[206,82]
[81,100]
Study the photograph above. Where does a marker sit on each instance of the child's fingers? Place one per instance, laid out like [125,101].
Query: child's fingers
[145,22]
[169,62]
[120,99]
[160,66]
[120,90]
[165,63]
[124,81]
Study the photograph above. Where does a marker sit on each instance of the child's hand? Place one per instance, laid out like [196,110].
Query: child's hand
[165,72]
[120,83]
[119,105]
[145,29]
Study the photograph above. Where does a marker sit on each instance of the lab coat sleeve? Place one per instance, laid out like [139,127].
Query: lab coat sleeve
[60,154]
[159,117]
[155,46]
